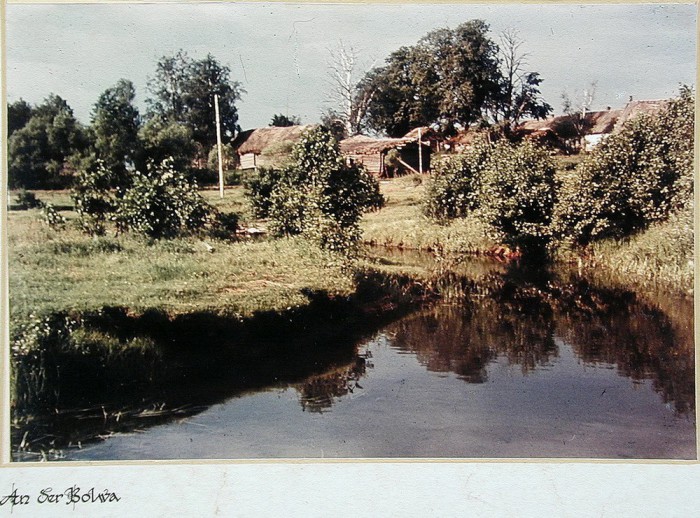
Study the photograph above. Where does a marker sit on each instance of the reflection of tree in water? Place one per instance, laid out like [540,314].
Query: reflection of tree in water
[614,327]
[318,393]
[493,319]
[515,315]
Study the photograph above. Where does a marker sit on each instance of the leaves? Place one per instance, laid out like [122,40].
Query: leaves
[318,195]
[633,178]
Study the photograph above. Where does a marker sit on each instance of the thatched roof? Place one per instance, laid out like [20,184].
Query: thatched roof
[426,133]
[364,145]
[255,140]
[596,122]
[602,121]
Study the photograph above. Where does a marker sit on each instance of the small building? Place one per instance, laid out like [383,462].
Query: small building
[386,157]
[635,108]
[428,136]
[598,125]
[267,147]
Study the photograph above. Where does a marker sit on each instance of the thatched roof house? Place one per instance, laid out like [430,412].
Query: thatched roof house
[597,124]
[266,146]
[387,156]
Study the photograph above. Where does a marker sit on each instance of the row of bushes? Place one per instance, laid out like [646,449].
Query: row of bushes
[632,179]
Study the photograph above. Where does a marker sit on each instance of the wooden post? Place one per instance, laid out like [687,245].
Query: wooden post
[420,152]
[218,146]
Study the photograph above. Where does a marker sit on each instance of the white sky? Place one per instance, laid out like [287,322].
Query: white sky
[279,51]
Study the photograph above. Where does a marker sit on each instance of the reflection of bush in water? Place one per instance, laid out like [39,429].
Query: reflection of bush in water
[318,393]
[498,319]
[614,327]
[515,316]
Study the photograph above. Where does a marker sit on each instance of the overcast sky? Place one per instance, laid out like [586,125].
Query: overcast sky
[279,52]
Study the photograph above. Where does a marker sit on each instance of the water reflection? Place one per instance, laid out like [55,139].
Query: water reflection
[509,316]
[504,316]
[319,393]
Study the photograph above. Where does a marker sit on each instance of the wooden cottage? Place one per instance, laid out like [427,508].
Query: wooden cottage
[267,147]
[385,157]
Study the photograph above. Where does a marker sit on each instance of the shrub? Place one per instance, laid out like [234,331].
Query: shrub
[517,194]
[93,197]
[161,203]
[27,200]
[259,186]
[318,195]
[52,218]
[454,190]
[632,179]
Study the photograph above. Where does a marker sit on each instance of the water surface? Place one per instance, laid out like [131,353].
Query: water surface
[516,367]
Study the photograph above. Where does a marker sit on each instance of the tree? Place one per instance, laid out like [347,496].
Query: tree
[282,121]
[445,80]
[161,139]
[18,115]
[633,178]
[349,98]
[576,108]
[115,123]
[183,91]
[518,194]
[519,94]
[39,153]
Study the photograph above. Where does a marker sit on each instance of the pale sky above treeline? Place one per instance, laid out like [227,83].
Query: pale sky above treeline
[279,52]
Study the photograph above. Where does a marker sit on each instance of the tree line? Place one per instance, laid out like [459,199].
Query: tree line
[47,145]
[450,79]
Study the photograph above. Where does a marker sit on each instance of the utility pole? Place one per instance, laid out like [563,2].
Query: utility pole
[218,146]
[420,152]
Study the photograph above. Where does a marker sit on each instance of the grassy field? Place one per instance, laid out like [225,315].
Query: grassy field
[53,270]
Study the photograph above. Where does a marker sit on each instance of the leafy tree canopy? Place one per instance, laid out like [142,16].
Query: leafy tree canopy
[450,79]
[443,80]
[115,123]
[282,121]
[18,115]
[39,152]
[183,91]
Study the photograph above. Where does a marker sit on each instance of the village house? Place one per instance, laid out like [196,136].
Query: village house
[386,157]
[267,147]
[561,132]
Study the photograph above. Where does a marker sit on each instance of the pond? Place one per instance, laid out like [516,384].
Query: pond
[515,365]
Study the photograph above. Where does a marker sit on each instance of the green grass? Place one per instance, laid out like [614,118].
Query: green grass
[401,223]
[53,270]
[661,256]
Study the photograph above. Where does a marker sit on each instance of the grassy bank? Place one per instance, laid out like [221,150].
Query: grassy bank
[66,270]
[660,257]
[401,223]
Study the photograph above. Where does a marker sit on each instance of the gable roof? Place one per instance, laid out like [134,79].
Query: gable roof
[255,140]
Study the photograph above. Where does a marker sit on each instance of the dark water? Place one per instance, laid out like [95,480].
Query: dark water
[516,365]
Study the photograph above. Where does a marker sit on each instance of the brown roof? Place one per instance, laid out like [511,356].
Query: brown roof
[636,108]
[602,121]
[426,132]
[597,122]
[255,140]
[364,145]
